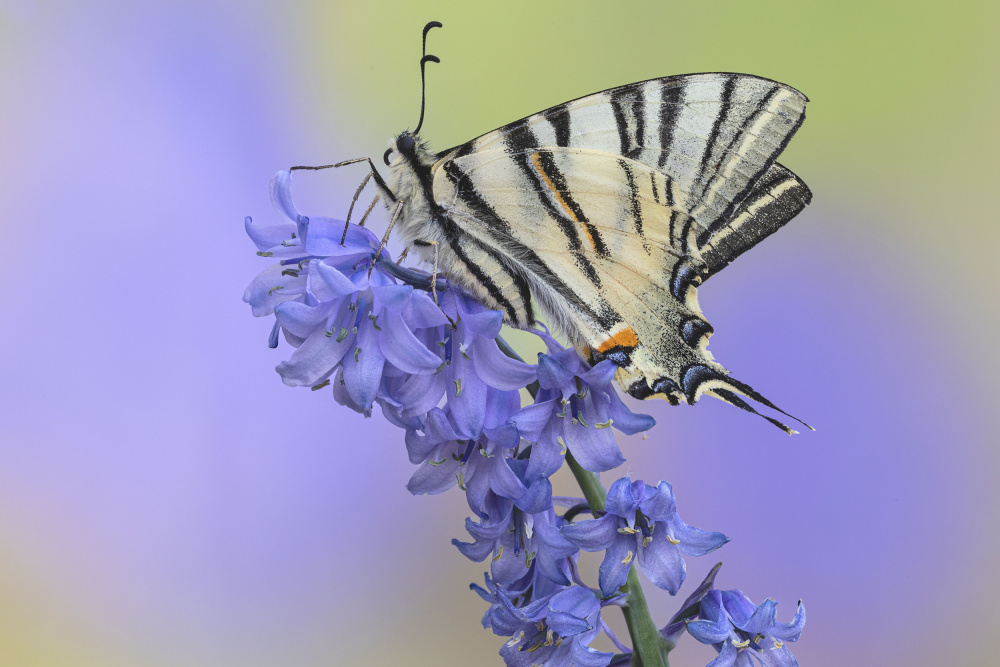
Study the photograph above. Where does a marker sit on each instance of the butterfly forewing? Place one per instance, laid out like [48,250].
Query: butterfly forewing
[713,134]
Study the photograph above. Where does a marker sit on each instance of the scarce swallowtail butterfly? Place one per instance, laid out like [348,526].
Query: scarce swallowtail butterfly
[602,215]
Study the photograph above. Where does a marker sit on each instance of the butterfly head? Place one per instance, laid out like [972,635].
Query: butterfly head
[403,146]
[408,148]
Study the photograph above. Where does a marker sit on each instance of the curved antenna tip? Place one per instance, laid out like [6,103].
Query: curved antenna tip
[423,61]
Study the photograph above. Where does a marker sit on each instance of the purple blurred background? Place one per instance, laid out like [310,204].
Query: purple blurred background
[165,500]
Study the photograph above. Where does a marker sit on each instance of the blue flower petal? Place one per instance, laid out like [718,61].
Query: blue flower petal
[314,359]
[479,320]
[738,606]
[731,657]
[660,505]
[269,288]
[363,367]
[625,420]
[391,297]
[662,563]
[695,541]
[594,448]
[299,319]
[438,426]
[474,551]
[532,419]
[617,561]
[422,313]
[503,481]
[537,497]
[600,375]
[334,282]
[566,624]
[713,626]
[584,656]
[546,456]
[420,393]
[432,479]
[466,397]
[621,501]
[500,406]
[577,601]
[401,348]
[496,368]
[552,374]
[281,194]
[323,239]
[592,534]
[266,238]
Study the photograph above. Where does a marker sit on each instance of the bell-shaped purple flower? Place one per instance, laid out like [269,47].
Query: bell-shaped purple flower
[641,523]
[478,464]
[743,632]
[574,409]
[554,631]
[519,535]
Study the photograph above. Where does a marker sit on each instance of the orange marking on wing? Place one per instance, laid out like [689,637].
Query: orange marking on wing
[536,161]
[624,338]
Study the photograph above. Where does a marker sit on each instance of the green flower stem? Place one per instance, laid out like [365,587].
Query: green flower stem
[649,648]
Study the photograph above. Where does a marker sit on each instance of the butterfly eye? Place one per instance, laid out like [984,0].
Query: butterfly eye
[385,158]
[406,144]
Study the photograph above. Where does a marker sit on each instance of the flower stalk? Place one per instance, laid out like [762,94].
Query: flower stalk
[649,649]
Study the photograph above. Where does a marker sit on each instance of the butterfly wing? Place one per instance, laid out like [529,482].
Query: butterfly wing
[611,209]
[775,199]
[714,134]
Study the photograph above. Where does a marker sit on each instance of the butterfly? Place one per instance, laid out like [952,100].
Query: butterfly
[602,215]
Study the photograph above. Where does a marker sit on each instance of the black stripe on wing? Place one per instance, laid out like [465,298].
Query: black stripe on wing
[748,122]
[548,181]
[670,99]
[777,197]
[628,105]
[635,206]
[725,105]
[559,118]
[456,237]
[499,230]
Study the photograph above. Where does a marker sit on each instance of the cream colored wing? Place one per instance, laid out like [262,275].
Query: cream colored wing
[713,134]
[609,253]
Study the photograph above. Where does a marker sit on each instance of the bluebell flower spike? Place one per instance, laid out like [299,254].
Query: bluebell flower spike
[432,359]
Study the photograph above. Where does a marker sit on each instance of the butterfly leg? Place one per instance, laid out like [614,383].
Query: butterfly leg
[402,255]
[357,194]
[379,181]
[434,280]
[434,275]
[385,238]
[363,218]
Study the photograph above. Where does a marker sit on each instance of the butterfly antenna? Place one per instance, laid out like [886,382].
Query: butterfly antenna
[423,61]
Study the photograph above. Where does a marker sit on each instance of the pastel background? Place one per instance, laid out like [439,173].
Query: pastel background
[166,501]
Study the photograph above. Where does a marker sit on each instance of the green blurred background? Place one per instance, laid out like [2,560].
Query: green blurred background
[164,500]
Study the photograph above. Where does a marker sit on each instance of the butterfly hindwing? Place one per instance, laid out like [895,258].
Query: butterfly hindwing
[776,198]
[612,232]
